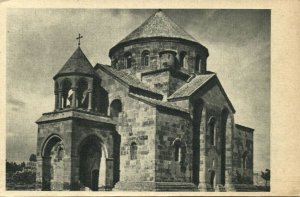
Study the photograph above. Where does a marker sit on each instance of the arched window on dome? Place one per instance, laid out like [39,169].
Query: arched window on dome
[127,60]
[198,66]
[133,151]
[145,58]
[183,59]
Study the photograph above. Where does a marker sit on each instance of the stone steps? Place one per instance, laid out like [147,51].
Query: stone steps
[245,188]
[175,186]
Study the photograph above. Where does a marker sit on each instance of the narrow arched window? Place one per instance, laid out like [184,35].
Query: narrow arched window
[127,60]
[183,59]
[177,150]
[198,64]
[145,58]
[212,130]
[133,151]
[115,108]
[245,158]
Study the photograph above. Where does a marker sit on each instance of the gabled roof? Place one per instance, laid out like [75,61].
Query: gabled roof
[189,88]
[156,102]
[158,25]
[77,64]
[244,128]
[196,84]
[126,78]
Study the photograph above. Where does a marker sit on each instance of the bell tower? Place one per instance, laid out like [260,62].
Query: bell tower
[77,144]
[74,83]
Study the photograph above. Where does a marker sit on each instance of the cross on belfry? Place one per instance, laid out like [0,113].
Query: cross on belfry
[78,38]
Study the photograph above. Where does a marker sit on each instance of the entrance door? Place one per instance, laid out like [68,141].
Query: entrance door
[95,180]
[212,178]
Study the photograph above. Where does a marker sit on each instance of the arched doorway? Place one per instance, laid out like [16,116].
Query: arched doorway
[91,162]
[224,119]
[53,164]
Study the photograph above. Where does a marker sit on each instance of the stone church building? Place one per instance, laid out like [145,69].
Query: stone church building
[154,120]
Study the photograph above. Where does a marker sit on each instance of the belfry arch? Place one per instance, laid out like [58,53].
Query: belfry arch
[92,154]
[53,163]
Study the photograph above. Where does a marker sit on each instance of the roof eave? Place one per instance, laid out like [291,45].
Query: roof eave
[74,74]
[126,84]
[152,39]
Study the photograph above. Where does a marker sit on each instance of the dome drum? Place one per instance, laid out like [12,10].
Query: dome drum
[156,47]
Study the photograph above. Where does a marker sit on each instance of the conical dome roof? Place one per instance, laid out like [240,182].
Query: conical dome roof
[158,25]
[77,64]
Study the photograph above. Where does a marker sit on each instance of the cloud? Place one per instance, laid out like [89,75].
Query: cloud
[15,102]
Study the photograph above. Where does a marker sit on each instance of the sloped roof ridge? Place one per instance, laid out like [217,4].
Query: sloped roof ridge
[126,78]
[192,86]
[159,102]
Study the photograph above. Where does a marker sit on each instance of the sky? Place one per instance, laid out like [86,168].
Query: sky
[40,41]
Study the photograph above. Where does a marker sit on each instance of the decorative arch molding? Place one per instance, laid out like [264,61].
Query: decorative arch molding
[62,81]
[50,138]
[86,137]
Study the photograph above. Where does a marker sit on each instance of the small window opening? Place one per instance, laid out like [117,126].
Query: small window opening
[128,60]
[133,151]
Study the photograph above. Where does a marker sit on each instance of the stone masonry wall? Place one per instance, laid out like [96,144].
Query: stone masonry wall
[215,102]
[136,123]
[242,142]
[169,128]
[158,81]
[63,129]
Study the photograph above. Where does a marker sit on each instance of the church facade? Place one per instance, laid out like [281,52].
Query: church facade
[154,120]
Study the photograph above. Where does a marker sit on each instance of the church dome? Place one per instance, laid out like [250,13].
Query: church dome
[158,25]
[148,47]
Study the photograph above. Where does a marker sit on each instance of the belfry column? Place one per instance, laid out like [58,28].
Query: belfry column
[90,91]
[74,89]
[59,98]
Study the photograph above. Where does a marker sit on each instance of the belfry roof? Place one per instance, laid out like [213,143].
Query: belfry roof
[77,64]
[158,25]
